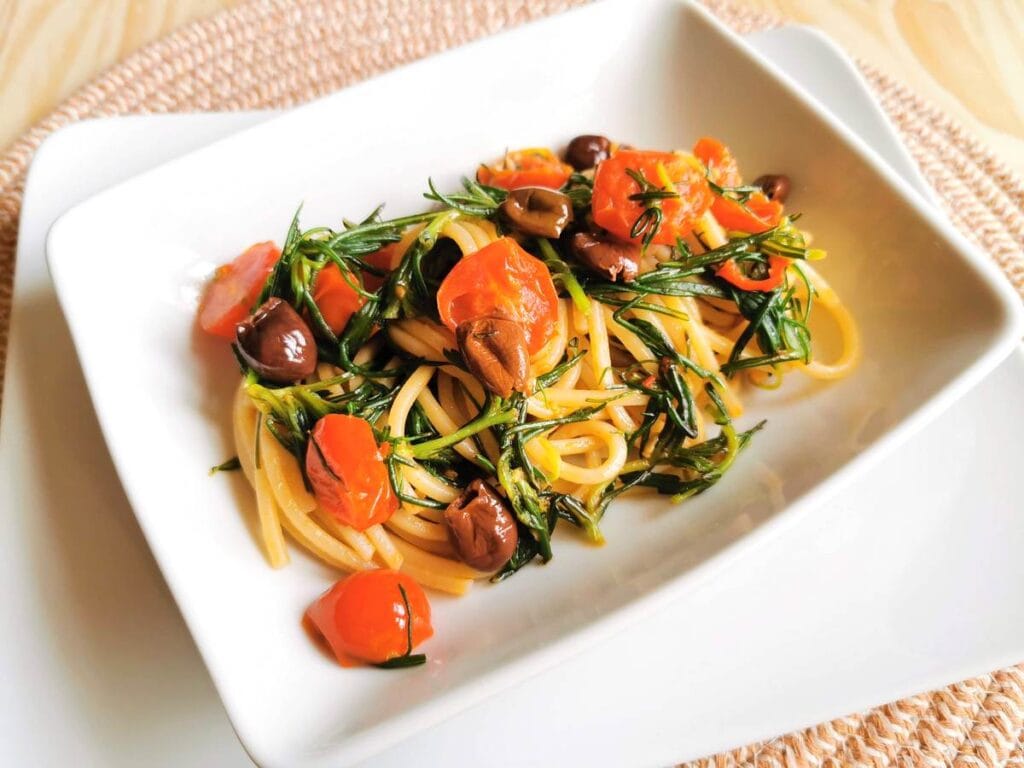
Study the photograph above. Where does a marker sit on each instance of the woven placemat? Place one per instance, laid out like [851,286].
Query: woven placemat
[274,53]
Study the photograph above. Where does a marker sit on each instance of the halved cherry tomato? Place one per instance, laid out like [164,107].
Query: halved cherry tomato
[346,469]
[614,211]
[731,271]
[383,259]
[526,168]
[501,280]
[235,288]
[758,214]
[335,297]
[719,160]
[364,618]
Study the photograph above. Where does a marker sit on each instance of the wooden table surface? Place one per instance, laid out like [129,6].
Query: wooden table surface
[967,56]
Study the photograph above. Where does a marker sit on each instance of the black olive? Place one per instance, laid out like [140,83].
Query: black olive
[774,185]
[276,343]
[481,528]
[495,350]
[609,258]
[587,151]
[537,211]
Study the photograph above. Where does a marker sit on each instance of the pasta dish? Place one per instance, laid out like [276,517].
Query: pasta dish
[425,399]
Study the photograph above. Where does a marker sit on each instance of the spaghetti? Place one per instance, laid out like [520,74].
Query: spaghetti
[433,394]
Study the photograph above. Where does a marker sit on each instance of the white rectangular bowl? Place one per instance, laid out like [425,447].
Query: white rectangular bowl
[128,264]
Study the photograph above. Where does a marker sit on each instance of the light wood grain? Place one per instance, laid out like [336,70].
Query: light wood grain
[48,48]
[966,56]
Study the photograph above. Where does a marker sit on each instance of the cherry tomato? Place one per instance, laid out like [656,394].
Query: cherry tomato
[382,258]
[719,160]
[235,288]
[347,471]
[758,214]
[731,271]
[614,211]
[501,280]
[364,617]
[335,297]
[526,168]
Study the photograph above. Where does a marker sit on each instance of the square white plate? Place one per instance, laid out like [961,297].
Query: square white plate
[117,681]
[288,704]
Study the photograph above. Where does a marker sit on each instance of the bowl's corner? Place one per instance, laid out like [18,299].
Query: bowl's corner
[54,238]
[1012,305]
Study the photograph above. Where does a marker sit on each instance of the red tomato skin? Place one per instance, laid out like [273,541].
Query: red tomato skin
[720,162]
[551,178]
[382,258]
[503,280]
[615,212]
[363,618]
[526,168]
[769,211]
[776,274]
[234,289]
[336,299]
[354,486]
[759,214]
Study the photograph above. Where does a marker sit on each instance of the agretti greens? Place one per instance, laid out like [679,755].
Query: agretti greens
[669,454]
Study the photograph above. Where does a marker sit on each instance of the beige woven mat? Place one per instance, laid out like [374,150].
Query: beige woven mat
[273,53]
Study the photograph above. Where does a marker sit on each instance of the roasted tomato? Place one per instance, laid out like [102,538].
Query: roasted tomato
[613,186]
[758,214]
[235,288]
[721,164]
[732,272]
[526,168]
[501,280]
[336,297]
[347,471]
[383,259]
[372,617]
[335,294]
